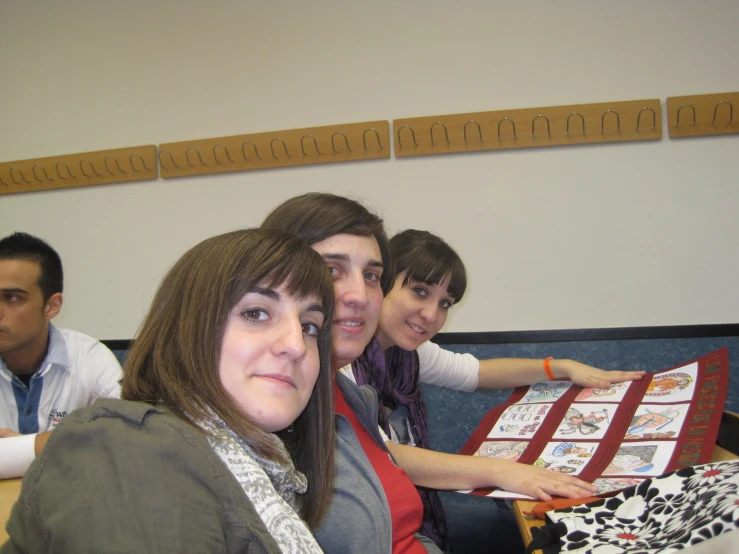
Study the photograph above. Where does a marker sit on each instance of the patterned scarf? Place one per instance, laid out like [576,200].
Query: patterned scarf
[395,376]
[270,486]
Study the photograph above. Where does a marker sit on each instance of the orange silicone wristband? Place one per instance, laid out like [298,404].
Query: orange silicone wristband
[548,368]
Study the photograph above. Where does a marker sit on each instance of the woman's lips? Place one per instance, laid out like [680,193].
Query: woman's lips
[279,378]
[350,326]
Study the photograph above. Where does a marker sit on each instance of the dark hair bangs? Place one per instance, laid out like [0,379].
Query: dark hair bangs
[432,272]
[426,258]
[300,270]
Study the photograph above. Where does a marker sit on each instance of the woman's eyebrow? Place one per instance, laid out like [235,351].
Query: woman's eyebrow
[339,257]
[269,293]
[316,308]
[346,258]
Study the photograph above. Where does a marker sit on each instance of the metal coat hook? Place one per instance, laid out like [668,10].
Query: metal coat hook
[654,119]
[45,174]
[187,158]
[69,171]
[603,120]
[315,144]
[215,156]
[567,132]
[533,122]
[515,136]
[82,169]
[677,119]
[272,148]
[143,162]
[243,153]
[413,135]
[446,133]
[364,138]
[731,111]
[479,130]
[22,176]
[171,157]
[105,163]
[346,141]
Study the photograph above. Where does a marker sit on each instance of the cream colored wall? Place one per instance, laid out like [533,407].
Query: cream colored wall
[597,236]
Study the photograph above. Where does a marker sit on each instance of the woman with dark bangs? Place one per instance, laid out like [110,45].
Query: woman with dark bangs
[222,439]
[429,279]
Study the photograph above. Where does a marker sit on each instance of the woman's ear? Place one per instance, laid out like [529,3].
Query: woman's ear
[53,306]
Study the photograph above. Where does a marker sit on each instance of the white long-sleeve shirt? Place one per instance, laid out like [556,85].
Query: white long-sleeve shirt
[77,370]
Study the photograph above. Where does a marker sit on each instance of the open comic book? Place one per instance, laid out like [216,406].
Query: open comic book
[613,437]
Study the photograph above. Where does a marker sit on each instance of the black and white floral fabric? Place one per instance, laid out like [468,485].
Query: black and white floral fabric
[661,515]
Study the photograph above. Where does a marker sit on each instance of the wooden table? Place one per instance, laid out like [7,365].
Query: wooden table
[525,523]
[10,489]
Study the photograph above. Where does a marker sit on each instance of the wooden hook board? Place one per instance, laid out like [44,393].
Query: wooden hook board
[529,127]
[314,145]
[77,170]
[703,115]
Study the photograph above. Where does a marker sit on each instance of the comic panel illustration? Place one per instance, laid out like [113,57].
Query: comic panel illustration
[641,458]
[585,421]
[609,484]
[662,421]
[547,391]
[566,457]
[519,421]
[677,385]
[503,450]
[615,393]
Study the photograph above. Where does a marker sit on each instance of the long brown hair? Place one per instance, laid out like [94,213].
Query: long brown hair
[175,357]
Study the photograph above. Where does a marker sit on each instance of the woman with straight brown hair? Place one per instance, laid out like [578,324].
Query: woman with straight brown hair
[221,442]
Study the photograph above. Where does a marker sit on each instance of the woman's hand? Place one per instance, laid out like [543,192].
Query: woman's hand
[542,483]
[438,470]
[592,377]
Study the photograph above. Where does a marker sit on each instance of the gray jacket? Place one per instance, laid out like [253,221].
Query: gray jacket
[124,476]
[358,519]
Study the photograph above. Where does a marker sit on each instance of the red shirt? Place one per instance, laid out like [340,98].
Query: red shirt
[406,508]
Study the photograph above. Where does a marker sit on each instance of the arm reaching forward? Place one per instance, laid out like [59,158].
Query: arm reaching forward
[504,373]
[438,470]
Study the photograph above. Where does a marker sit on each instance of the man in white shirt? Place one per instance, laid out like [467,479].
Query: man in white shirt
[45,372]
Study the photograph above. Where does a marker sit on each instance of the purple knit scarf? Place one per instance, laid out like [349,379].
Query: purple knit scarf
[395,376]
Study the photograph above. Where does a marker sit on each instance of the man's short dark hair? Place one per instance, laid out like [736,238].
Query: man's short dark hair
[22,246]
